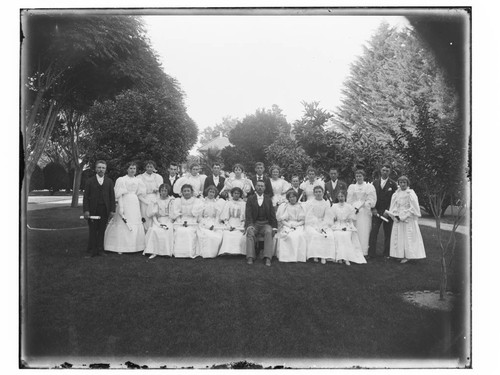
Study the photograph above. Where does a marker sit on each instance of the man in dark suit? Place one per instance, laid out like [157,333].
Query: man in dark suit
[98,200]
[295,182]
[215,179]
[259,176]
[333,186]
[260,218]
[172,179]
[385,188]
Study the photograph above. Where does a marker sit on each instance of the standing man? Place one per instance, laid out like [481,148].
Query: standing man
[259,176]
[296,186]
[98,200]
[172,179]
[333,186]
[215,179]
[260,218]
[385,188]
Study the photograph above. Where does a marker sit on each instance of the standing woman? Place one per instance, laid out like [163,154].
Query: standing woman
[319,236]
[152,181]
[311,182]
[362,197]
[160,235]
[209,230]
[193,179]
[185,214]
[126,233]
[237,179]
[280,186]
[406,239]
[233,217]
[345,235]
[291,216]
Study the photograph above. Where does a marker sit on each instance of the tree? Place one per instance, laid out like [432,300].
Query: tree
[288,155]
[37,181]
[232,155]
[137,126]
[55,177]
[223,128]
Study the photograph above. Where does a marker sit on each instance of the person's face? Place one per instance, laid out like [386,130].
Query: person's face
[403,184]
[194,170]
[311,175]
[384,172]
[172,170]
[163,193]
[150,168]
[237,171]
[295,182]
[341,197]
[211,194]
[292,199]
[259,170]
[275,173]
[131,170]
[236,195]
[216,170]
[100,169]
[359,177]
[260,187]
[187,193]
[318,194]
[334,174]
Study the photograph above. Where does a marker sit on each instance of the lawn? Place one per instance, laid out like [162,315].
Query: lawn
[163,309]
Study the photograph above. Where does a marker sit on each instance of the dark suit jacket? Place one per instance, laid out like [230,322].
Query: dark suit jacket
[267,181]
[384,195]
[210,181]
[252,208]
[166,181]
[299,191]
[90,195]
[341,185]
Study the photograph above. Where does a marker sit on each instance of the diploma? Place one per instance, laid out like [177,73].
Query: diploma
[91,217]
[382,218]
[127,224]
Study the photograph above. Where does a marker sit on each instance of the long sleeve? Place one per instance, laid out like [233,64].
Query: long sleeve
[371,196]
[350,194]
[86,196]
[112,198]
[414,206]
[120,187]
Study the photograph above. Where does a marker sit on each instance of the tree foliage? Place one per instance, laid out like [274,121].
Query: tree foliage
[224,127]
[55,177]
[289,156]
[37,181]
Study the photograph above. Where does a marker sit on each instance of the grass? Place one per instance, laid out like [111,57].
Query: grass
[127,305]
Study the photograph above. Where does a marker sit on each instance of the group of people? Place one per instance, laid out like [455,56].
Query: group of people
[197,215]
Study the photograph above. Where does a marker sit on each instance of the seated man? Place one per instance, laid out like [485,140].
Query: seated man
[260,218]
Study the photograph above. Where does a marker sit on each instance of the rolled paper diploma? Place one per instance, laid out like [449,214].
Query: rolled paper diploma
[91,217]
[182,224]
[127,224]
[382,218]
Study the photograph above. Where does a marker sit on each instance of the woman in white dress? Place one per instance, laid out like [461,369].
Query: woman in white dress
[237,179]
[125,233]
[319,236]
[152,181]
[185,213]
[280,186]
[345,235]
[362,197]
[160,235]
[406,239]
[209,230]
[308,185]
[292,246]
[194,179]
[233,217]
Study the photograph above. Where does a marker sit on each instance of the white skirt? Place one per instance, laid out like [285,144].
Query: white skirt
[347,246]
[160,241]
[406,240]
[317,245]
[292,246]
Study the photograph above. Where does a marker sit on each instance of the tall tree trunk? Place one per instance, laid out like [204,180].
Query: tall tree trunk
[443,283]
[77,179]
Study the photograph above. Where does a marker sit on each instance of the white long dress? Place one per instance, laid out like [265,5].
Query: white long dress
[280,187]
[309,186]
[197,182]
[243,183]
[152,182]
[185,214]
[345,234]
[209,240]
[363,197]
[126,237]
[160,240]
[292,245]
[319,236]
[233,215]
[406,239]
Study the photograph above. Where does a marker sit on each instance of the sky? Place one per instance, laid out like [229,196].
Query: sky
[233,65]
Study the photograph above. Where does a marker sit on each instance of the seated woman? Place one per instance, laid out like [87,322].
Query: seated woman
[185,213]
[406,239]
[291,240]
[319,236]
[125,233]
[237,179]
[280,186]
[308,185]
[160,235]
[233,217]
[345,235]
[152,181]
[209,231]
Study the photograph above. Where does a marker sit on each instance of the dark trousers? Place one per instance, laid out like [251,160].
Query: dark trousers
[376,222]
[96,230]
[260,227]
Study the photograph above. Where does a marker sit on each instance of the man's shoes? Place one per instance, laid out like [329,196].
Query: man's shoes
[268,262]
[249,261]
